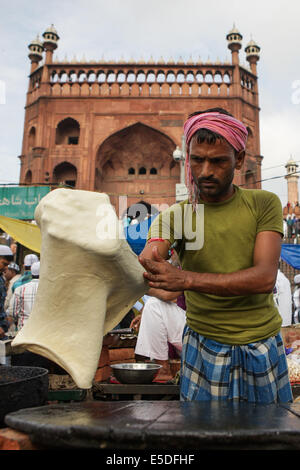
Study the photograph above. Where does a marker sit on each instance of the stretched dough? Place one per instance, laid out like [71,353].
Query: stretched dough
[89,279]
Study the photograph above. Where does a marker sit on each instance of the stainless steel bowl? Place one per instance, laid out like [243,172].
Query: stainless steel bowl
[135,373]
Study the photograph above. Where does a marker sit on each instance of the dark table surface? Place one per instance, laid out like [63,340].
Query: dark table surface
[165,425]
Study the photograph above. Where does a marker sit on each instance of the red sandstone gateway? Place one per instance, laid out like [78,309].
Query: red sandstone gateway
[113,126]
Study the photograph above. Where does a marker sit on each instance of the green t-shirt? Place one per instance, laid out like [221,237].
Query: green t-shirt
[229,230]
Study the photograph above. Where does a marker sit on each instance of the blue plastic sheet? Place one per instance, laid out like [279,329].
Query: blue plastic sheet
[136,234]
[291,255]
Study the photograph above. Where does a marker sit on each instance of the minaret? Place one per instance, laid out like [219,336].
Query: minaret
[252,55]
[292,181]
[234,39]
[36,53]
[50,43]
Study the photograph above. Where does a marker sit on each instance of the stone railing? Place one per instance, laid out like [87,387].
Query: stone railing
[141,80]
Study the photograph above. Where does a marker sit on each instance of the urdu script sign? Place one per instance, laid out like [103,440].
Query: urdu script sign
[19,202]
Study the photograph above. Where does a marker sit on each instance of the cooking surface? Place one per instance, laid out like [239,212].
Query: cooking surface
[161,425]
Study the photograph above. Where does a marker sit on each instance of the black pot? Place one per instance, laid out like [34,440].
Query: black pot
[22,387]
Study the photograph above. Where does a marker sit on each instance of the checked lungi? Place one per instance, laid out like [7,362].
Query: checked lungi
[255,372]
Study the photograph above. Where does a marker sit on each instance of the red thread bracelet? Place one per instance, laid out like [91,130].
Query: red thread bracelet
[156,240]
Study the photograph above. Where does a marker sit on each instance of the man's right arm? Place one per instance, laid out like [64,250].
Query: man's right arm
[162,247]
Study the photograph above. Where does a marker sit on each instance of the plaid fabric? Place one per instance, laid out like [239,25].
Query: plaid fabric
[255,372]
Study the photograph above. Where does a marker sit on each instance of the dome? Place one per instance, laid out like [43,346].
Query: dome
[51,30]
[50,35]
[291,162]
[36,42]
[36,49]
[252,49]
[234,35]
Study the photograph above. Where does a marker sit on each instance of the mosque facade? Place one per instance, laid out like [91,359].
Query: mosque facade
[116,126]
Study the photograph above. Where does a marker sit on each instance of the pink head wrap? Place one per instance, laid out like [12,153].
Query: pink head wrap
[226,126]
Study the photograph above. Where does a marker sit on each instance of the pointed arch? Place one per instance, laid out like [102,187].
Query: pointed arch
[65,173]
[134,159]
[67,132]
[28,177]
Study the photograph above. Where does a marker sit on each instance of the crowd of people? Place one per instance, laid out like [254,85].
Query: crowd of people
[17,290]
[291,224]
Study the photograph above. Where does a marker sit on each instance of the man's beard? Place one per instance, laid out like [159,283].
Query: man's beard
[213,186]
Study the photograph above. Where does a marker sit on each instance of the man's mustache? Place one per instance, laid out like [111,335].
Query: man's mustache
[207,180]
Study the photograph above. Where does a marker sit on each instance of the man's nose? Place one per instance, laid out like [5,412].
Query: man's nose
[206,170]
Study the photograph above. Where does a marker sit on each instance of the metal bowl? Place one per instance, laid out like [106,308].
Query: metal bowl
[135,373]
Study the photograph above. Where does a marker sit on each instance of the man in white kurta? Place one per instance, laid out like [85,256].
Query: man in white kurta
[283,298]
[161,323]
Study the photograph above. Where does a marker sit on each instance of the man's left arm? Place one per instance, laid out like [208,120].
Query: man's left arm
[258,279]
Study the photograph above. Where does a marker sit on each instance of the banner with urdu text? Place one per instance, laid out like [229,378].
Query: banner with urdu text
[19,202]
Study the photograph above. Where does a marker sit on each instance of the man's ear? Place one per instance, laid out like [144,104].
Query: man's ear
[239,159]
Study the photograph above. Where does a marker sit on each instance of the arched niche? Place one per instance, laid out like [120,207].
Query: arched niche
[151,77]
[250,140]
[180,78]
[67,132]
[171,78]
[131,77]
[208,77]
[65,173]
[31,137]
[28,177]
[218,78]
[142,171]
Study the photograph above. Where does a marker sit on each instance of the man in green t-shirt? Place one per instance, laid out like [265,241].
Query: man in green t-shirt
[229,241]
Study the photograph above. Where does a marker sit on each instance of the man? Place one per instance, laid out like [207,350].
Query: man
[296,299]
[24,297]
[26,276]
[11,275]
[160,324]
[6,256]
[232,348]
[283,298]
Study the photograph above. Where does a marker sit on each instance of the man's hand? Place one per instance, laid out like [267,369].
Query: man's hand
[165,295]
[135,324]
[2,332]
[162,275]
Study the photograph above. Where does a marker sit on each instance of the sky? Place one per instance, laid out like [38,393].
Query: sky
[160,28]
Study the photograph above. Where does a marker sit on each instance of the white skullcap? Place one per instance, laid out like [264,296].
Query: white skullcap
[30,259]
[297,279]
[35,269]
[14,266]
[5,250]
